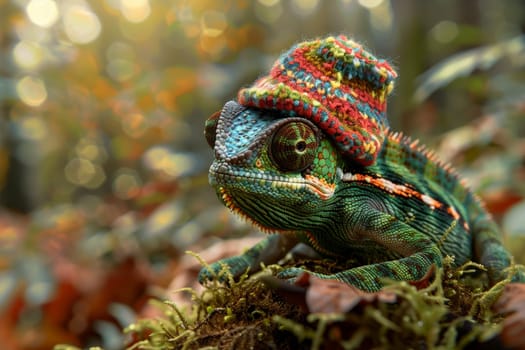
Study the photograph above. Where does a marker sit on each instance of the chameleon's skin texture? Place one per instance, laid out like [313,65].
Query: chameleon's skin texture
[405,212]
[306,152]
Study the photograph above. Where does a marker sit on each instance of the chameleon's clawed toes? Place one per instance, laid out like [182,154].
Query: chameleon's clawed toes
[209,273]
[291,274]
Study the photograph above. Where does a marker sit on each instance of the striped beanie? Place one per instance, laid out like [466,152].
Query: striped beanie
[337,85]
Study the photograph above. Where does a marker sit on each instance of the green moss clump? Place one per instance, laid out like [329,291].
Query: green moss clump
[232,315]
[453,312]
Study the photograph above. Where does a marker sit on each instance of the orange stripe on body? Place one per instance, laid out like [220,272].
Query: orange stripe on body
[405,191]
[397,189]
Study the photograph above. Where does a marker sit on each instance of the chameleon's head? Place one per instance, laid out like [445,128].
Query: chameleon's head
[280,146]
[271,168]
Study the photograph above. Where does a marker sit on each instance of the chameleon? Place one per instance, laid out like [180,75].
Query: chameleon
[306,154]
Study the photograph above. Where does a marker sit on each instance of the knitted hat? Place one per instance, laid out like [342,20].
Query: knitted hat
[337,85]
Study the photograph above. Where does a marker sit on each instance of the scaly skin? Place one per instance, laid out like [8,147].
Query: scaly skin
[403,213]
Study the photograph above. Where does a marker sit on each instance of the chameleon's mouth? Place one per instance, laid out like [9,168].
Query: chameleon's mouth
[310,183]
[230,203]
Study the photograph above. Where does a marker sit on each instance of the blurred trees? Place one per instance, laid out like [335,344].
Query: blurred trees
[101,97]
[102,104]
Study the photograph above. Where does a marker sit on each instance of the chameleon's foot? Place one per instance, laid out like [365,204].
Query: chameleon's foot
[208,273]
[267,251]
[360,277]
[291,274]
[223,269]
[518,277]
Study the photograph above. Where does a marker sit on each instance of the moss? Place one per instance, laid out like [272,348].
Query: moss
[454,311]
[516,245]
[232,315]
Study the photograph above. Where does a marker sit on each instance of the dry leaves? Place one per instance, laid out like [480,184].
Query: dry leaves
[317,295]
[512,305]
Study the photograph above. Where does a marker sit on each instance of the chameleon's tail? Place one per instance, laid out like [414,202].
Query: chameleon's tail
[490,251]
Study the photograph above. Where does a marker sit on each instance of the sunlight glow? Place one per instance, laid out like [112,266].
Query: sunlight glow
[135,11]
[82,26]
[32,91]
[43,13]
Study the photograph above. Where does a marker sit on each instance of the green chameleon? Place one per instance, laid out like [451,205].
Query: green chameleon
[306,152]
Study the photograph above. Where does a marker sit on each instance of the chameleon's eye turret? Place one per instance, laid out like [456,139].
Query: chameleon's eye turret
[293,146]
[210,128]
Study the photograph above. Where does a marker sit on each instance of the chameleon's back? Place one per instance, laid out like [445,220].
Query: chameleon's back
[430,196]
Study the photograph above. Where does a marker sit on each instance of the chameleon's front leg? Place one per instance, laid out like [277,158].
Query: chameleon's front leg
[419,252]
[268,251]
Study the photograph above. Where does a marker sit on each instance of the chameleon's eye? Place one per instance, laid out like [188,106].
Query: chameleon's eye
[293,146]
[210,128]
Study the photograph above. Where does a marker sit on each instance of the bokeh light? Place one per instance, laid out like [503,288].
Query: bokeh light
[190,25]
[268,11]
[304,7]
[121,61]
[381,17]
[127,183]
[28,55]
[213,23]
[120,69]
[135,11]
[269,3]
[89,149]
[31,90]
[161,158]
[84,173]
[33,128]
[369,3]
[81,25]
[134,124]
[444,31]
[163,219]
[43,13]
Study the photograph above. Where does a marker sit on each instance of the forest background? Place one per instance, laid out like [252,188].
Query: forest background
[103,163]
